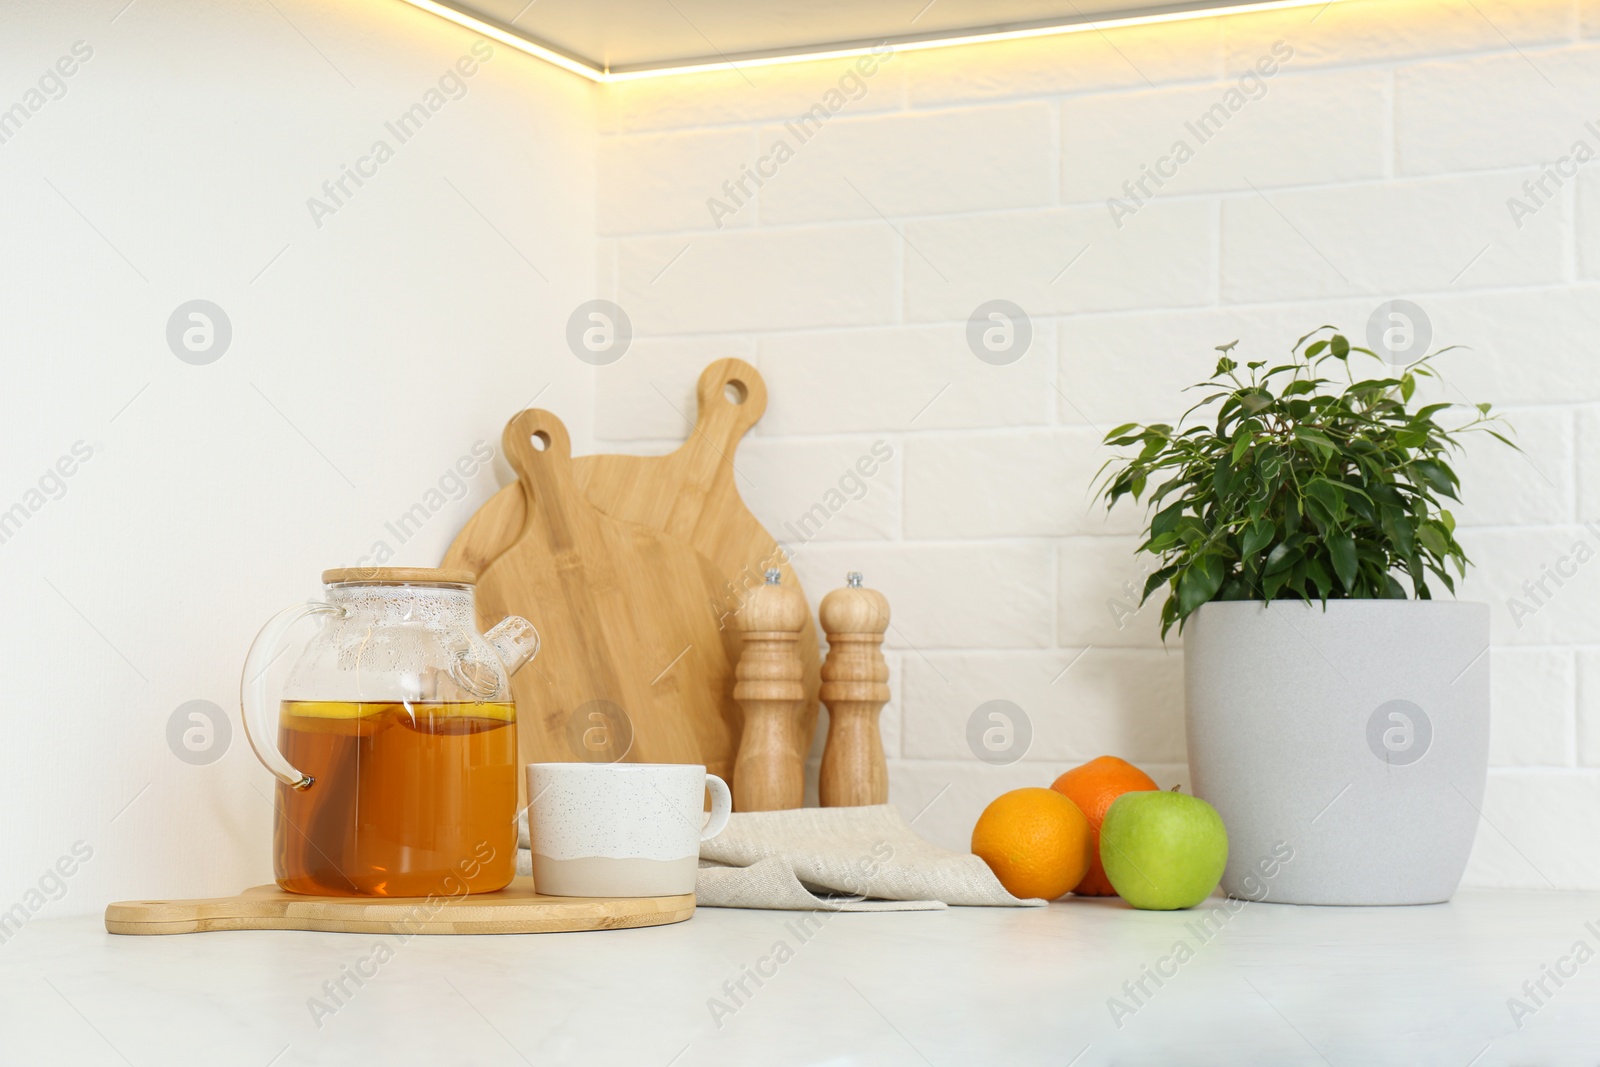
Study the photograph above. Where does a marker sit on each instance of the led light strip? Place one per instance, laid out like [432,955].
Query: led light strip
[593,73]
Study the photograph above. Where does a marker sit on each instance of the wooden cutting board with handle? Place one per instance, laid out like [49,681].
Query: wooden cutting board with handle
[516,909]
[628,618]
[691,493]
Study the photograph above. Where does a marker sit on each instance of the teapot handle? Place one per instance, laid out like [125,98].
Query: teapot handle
[264,651]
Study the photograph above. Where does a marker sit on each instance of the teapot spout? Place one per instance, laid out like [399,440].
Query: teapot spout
[515,641]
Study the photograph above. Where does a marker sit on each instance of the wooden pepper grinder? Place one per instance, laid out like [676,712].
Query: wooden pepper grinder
[769,774]
[854,688]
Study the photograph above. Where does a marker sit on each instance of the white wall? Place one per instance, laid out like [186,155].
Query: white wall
[376,349]
[367,356]
[1374,162]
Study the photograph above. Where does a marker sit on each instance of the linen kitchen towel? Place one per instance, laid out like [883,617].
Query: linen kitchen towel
[848,859]
[837,859]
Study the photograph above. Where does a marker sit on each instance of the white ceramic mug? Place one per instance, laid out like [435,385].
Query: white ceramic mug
[620,829]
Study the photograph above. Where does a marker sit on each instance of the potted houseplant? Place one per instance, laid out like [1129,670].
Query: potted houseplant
[1337,714]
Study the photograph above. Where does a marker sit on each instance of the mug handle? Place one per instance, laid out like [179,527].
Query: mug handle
[721,806]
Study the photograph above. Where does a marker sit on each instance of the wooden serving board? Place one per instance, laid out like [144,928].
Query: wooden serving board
[691,494]
[628,617]
[516,909]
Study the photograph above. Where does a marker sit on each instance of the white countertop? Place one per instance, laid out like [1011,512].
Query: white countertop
[1277,985]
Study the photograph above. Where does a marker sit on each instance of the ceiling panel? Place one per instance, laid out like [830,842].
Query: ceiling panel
[632,35]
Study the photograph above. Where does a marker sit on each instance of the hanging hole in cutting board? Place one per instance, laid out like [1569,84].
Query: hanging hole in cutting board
[539,440]
[736,392]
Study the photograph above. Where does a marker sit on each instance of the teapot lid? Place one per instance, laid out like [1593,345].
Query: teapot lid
[398,576]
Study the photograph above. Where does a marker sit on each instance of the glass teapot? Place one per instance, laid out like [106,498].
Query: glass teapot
[396,753]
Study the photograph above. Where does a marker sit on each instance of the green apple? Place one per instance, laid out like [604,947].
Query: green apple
[1163,851]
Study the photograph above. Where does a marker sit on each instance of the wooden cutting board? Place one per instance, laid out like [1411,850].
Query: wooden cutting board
[692,494]
[516,909]
[628,618]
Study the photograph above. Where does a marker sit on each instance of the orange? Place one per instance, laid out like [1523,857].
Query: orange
[1093,787]
[1035,841]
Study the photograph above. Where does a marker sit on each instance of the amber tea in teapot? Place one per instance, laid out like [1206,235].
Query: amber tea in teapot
[412,790]
[396,753]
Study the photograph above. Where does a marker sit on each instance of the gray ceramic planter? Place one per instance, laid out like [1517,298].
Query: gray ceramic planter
[1354,740]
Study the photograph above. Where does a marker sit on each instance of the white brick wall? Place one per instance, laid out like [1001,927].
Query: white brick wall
[1375,162]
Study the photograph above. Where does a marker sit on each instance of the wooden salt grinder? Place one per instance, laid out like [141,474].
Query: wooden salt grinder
[854,688]
[769,774]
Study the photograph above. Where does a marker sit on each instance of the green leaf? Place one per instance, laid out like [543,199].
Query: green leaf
[1342,551]
[1156,581]
[1328,494]
[1398,529]
[1199,583]
[1319,575]
[1314,437]
[1221,479]
[1339,347]
[1256,537]
[1236,588]
[1436,475]
[1313,333]
[1273,584]
[1281,557]
[1167,518]
[1432,539]
[1255,402]
[1384,494]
